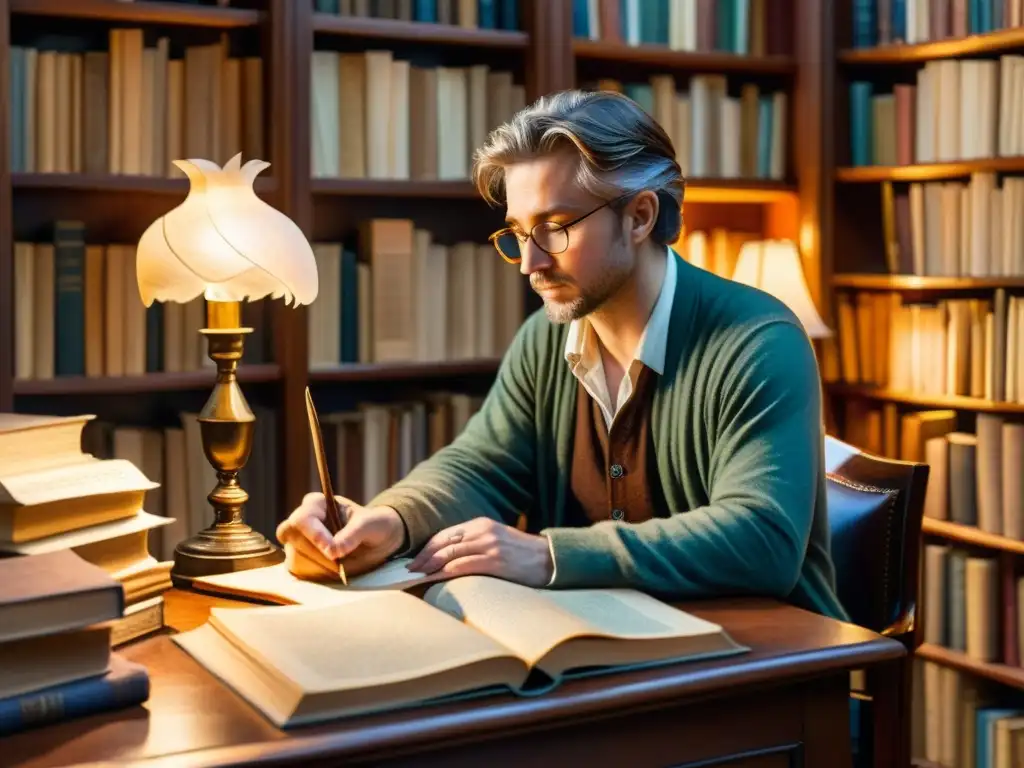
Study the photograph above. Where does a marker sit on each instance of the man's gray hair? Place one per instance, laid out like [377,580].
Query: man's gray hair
[621,149]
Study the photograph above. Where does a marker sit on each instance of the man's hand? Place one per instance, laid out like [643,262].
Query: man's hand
[370,537]
[485,546]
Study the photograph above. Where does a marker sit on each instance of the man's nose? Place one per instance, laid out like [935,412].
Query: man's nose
[534,258]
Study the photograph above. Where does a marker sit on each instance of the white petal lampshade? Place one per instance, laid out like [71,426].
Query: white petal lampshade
[774,267]
[224,243]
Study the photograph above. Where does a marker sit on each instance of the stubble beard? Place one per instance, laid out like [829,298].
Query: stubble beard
[593,298]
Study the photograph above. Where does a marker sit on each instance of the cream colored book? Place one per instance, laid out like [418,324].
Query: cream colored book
[370,651]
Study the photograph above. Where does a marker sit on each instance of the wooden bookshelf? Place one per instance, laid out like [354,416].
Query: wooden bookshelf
[146,12]
[415,188]
[383,372]
[1000,673]
[915,284]
[865,225]
[430,33]
[1000,41]
[872,174]
[682,61]
[975,404]
[150,382]
[83,182]
[967,534]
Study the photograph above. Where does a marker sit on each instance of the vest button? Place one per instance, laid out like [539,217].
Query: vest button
[617,471]
[617,514]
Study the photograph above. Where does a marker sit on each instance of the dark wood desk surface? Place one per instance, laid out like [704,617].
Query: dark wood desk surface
[191,719]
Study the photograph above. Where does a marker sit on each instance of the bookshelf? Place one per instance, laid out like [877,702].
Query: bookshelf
[925,277]
[338,185]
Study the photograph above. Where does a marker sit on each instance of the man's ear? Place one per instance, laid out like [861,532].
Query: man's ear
[642,212]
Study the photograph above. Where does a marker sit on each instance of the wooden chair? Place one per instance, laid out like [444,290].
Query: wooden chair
[875,507]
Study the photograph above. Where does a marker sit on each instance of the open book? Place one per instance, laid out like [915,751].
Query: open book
[373,650]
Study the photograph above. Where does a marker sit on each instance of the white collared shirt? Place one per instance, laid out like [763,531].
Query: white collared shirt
[583,354]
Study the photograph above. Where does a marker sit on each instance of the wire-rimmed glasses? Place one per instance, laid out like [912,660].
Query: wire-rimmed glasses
[549,236]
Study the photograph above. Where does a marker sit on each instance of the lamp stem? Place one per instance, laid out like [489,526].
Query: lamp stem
[226,426]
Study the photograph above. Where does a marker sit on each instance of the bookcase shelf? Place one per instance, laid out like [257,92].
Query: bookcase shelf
[418,31]
[146,12]
[371,372]
[682,61]
[975,404]
[872,174]
[916,284]
[84,182]
[150,382]
[974,45]
[967,534]
[395,188]
[1000,673]
[737,191]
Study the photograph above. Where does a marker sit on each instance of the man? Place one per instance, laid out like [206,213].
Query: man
[659,427]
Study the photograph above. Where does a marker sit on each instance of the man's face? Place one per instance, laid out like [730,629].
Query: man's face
[598,259]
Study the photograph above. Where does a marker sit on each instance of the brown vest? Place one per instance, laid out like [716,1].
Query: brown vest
[615,476]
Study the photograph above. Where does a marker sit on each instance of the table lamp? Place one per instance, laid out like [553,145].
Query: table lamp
[774,267]
[225,244]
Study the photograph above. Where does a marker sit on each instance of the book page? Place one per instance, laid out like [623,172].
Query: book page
[372,640]
[276,583]
[532,622]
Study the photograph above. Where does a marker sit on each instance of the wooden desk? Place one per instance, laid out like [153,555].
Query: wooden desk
[783,704]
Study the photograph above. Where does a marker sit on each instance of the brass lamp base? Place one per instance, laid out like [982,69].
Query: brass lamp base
[226,424]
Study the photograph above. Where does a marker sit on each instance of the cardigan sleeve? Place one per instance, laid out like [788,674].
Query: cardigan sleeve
[488,469]
[763,476]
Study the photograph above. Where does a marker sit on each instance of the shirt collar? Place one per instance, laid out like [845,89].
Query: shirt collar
[653,342]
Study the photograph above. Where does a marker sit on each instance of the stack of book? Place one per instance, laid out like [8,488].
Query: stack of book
[56,497]
[56,623]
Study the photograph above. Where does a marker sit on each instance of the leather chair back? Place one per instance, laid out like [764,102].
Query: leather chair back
[875,507]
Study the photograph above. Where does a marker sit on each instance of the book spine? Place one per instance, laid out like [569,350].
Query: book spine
[69,255]
[74,700]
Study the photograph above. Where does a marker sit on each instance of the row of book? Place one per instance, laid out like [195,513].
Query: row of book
[743,27]
[966,347]
[883,22]
[717,131]
[955,228]
[975,477]
[78,313]
[966,109]
[401,296]
[374,445]
[133,108]
[376,115]
[963,721]
[469,14]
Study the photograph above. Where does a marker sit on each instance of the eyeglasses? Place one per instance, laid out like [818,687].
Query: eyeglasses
[549,236]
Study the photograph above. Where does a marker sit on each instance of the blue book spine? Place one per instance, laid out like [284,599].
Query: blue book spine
[898,22]
[580,19]
[487,14]
[861,150]
[128,686]
[155,337]
[349,307]
[69,298]
[509,14]
[17,86]
[425,10]
[865,27]
[327,6]
[765,110]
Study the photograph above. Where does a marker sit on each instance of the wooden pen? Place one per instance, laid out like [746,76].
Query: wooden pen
[334,521]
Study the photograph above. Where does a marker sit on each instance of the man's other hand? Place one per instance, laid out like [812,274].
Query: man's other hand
[486,547]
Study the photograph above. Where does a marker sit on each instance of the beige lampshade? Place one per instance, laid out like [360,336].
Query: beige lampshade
[774,267]
[224,243]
